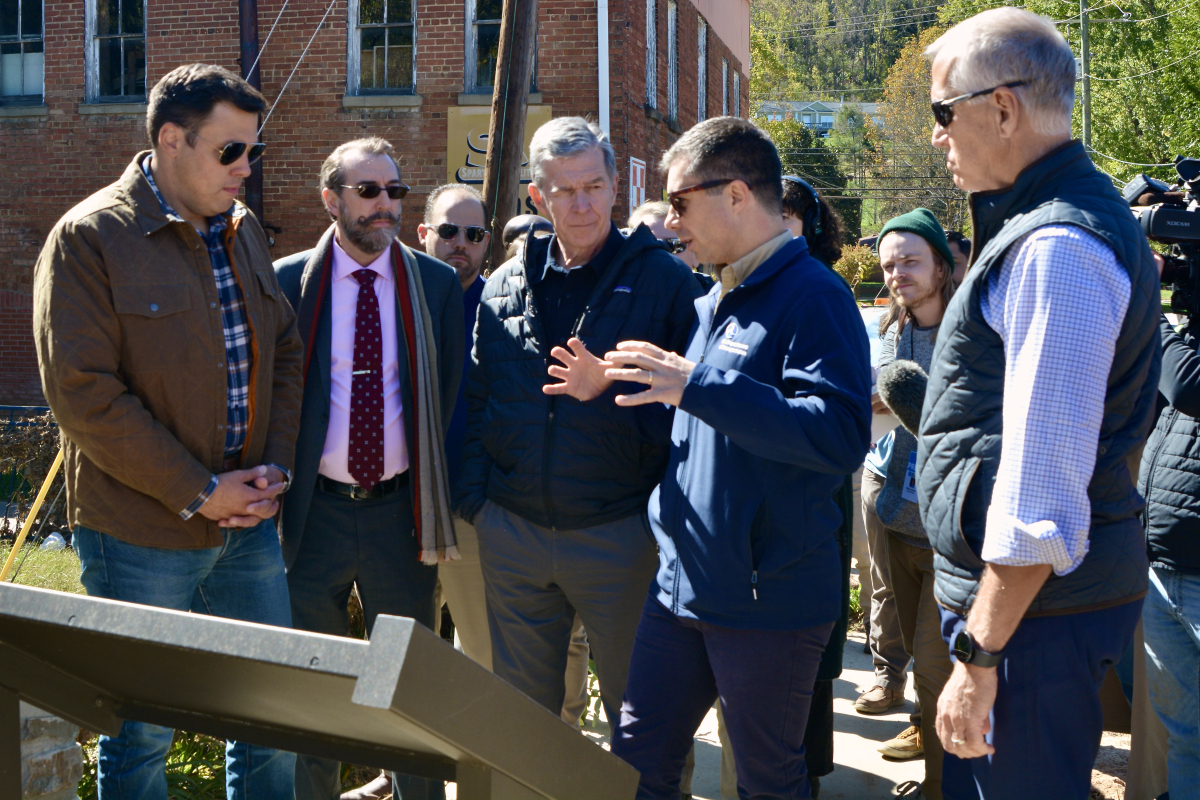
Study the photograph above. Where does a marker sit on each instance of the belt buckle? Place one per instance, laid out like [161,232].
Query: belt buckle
[357,492]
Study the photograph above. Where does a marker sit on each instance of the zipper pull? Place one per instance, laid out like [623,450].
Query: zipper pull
[754,583]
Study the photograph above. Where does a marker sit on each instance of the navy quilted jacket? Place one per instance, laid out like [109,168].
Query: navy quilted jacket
[555,461]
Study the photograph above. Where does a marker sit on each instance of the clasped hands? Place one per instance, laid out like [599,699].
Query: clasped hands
[245,497]
[585,377]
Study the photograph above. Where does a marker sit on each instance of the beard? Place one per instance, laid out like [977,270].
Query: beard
[366,238]
[924,292]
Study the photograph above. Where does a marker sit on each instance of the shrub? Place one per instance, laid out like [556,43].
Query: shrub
[857,262]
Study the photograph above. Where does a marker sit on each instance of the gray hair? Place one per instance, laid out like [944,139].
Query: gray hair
[1010,44]
[651,208]
[460,188]
[568,136]
[333,171]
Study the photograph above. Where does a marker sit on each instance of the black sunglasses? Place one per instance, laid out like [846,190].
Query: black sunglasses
[474,233]
[232,151]
[369,191]
[676,200]
[674,246]
[943,110]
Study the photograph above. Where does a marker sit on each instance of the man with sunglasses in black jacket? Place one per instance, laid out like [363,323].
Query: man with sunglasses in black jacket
[377,402]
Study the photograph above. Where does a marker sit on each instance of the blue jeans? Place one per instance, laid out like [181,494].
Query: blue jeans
[1171,627]
[763,678]
[1046,719]
[243,580]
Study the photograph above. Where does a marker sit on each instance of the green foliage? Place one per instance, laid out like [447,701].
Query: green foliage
[805,49]
[591,711]
[803,153]
[195,768]
[849,129]
[856,609]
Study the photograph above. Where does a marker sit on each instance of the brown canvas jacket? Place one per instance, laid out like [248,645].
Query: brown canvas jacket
[127,323]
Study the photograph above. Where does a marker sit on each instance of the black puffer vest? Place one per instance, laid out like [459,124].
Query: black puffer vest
[959,449]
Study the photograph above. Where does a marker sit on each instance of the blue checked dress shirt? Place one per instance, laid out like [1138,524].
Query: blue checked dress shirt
[1058,302]
[238,358]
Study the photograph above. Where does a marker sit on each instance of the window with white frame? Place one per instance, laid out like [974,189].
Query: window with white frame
[702,72]
[115,58]
[724,87]
[381,56]
[651,54]
[21,55]
[672,60]
[483,47]
[737,94]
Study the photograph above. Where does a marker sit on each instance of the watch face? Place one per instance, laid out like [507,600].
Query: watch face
[963,648]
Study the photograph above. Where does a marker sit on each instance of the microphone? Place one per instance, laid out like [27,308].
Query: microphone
[901,387]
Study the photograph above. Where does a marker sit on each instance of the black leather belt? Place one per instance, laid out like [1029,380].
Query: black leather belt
[231,463]
[356,492]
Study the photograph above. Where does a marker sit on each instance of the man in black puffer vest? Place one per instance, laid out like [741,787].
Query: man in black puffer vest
[557,488]
[1028,440]
[1170,482]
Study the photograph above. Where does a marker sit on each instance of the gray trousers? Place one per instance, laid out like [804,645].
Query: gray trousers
[366,544]
[887,645]
[460,586]
[538,579]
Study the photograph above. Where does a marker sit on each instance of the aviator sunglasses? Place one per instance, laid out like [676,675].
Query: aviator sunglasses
[232,151]
[474,233]
[943,110]
[369,191]
[674,246]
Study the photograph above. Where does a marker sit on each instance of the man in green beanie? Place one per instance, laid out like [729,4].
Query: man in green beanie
[919,270]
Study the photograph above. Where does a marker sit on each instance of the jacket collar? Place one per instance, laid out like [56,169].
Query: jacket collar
[138,194]
[795,249]
[1062,167]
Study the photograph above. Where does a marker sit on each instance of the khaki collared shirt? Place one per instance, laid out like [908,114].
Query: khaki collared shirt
[734,274]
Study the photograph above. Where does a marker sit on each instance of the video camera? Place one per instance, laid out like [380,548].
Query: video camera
[1171,215]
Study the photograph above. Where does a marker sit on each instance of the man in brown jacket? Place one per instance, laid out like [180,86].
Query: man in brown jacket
[172,363]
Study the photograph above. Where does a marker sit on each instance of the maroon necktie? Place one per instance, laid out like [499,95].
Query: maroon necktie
[365,463]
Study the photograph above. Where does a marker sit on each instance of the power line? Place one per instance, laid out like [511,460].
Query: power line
[275,24]
[1095,152]
[279,97]
[1151,72]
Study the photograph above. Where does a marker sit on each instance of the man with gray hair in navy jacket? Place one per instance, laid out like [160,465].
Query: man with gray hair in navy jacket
[773,411]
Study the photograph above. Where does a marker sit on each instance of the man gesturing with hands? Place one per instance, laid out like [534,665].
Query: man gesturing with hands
[772,397]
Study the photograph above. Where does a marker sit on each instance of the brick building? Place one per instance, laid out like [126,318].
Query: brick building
[74,76]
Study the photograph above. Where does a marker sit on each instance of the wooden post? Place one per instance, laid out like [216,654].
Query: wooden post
[506,135]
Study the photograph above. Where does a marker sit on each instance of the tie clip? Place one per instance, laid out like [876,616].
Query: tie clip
[362,372]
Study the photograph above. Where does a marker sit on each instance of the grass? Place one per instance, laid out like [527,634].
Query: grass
[45,569]
[856,609]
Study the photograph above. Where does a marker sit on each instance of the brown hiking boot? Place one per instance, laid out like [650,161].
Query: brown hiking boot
[905,746]
[878,700]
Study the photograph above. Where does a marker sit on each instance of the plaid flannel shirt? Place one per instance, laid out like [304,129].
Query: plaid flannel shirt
[237,334]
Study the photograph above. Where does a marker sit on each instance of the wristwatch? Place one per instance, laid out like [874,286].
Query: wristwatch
[967,650]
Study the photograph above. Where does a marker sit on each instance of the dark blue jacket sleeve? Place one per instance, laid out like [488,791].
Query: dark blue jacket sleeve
[820,419]
[1180,378]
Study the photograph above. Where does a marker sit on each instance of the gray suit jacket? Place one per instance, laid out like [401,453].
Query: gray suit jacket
[443,296]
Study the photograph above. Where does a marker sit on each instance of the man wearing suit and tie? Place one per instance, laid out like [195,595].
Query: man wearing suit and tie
[383,332]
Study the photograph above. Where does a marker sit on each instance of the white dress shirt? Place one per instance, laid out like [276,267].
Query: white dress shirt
[344,306]
[1058,302]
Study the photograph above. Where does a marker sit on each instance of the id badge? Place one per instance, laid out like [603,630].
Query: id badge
[909,492]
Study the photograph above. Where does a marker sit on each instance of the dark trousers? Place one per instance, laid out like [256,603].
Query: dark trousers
[369,543]
[1047,720]
[765,683]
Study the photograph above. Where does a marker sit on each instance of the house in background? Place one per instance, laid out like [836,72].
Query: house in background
[818,115]
[74,76]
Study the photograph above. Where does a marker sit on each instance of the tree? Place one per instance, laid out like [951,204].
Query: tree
[804,154]
[908,170]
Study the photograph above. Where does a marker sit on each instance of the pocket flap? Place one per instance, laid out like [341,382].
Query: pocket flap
[150,299]
[267,281]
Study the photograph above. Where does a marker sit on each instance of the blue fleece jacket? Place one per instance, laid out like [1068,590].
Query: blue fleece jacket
[774,416]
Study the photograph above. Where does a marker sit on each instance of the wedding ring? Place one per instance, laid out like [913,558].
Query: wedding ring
[956,742]
[651,377]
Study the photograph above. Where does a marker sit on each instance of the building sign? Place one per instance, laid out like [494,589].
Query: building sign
[466,147]
[637,183]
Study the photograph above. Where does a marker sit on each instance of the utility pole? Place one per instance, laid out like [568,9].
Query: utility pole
[1086,63]
[248,41]
[506,135]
